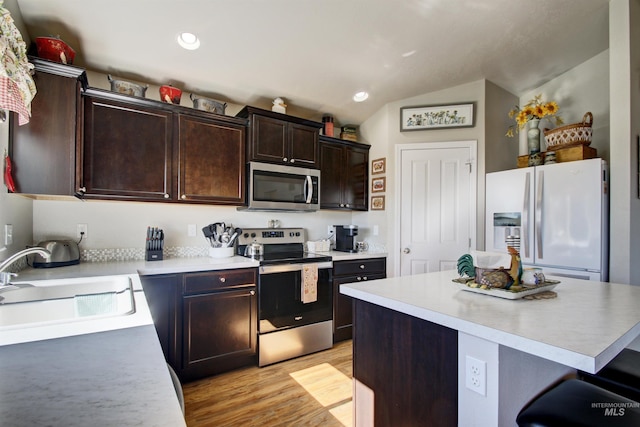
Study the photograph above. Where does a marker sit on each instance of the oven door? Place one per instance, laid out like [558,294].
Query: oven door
[280,300]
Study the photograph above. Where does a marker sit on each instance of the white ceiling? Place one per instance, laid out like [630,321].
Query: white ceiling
[317,53]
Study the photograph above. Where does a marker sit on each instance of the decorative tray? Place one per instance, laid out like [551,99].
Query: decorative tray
[521,292]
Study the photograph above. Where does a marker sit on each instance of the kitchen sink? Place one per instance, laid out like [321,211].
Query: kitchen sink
[38,310]
[57,301]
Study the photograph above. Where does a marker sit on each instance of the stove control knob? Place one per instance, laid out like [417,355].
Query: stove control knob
[253,234]
[297,234]
[291,234]
[245,235]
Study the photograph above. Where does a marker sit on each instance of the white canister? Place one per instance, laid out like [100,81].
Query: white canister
[532,276]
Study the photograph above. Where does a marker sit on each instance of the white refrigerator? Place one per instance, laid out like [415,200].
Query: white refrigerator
[558,215]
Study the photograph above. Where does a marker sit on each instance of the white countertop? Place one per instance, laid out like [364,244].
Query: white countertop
[584,327]
[346,256]
[167,266]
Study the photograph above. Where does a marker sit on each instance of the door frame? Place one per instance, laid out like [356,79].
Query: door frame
[472,145]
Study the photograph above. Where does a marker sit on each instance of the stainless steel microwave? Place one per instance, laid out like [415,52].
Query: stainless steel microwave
[282,188]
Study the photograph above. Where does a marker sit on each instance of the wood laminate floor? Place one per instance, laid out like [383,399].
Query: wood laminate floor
[313,390]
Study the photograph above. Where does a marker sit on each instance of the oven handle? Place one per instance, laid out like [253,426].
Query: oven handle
[284,268]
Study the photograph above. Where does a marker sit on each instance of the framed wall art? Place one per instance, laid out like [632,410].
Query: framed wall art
[378,166]
[378,185]
[377,203]
[437,117]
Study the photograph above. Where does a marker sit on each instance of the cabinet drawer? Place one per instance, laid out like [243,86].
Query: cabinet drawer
[375,265]
[195,283]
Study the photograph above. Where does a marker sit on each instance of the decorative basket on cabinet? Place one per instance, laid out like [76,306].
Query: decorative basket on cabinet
[569,135]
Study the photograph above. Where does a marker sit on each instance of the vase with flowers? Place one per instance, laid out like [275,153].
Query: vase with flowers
[530,116]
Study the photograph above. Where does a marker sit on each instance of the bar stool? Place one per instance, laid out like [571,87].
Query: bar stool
[578,403]
[621,375]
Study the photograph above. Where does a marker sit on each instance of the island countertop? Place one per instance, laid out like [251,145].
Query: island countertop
[584,327]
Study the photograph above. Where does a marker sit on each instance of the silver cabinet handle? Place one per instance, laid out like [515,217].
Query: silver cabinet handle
[285,159]
[406,250]
[252,293]
[361,266]
[293,160]
[364,278]
[166,196]
[347,205]
[223,279]
[359,278]
[183,197]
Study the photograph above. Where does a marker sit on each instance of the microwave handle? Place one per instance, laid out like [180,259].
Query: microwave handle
[308,190]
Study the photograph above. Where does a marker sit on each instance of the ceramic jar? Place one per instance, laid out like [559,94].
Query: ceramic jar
[532,276]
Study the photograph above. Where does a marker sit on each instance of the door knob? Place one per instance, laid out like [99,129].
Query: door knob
[406,250]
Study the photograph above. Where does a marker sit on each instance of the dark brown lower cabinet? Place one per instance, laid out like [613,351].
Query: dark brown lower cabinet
[411,366]
[351,271]
[206,321]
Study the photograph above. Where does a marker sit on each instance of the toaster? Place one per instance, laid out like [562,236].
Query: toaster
[63,253]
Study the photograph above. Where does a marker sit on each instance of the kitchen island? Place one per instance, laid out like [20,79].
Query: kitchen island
[413,334]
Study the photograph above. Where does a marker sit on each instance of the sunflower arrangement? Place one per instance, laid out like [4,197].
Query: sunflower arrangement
[534,109]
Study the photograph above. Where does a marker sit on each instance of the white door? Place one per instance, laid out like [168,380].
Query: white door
[437,205]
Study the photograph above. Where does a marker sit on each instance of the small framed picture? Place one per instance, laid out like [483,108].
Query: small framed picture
[378,185]
[377,203]
[378,166]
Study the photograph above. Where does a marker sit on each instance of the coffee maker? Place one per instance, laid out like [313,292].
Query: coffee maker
[346,238]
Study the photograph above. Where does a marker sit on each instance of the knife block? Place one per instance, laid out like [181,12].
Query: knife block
[153,255]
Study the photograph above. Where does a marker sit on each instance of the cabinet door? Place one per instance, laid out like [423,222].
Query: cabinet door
[303,145]
[127,151]
[356,187]
[162,293]
[331,176]
[269,140]
[212,161]
[44,150]
[219,331]
[343,306]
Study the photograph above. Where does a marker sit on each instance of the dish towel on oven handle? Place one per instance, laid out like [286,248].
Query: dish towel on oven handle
[309,283]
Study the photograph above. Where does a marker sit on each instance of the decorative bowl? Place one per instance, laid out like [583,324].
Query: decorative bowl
[54,49]
[127,88]
[206,104]
[170,94]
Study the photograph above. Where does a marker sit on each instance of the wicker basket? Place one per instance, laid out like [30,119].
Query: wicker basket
[569,135]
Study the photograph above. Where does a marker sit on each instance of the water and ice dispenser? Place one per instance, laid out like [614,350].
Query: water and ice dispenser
[506,230]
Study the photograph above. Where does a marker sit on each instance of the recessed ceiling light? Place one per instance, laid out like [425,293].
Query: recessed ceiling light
[360,96]
[188,41]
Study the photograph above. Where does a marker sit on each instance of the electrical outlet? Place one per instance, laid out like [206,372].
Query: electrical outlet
[191,230]
[8,234]
[81,231]
[376,230]
[476,375]
[329,229]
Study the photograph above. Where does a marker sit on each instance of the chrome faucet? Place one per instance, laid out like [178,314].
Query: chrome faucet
[5,278]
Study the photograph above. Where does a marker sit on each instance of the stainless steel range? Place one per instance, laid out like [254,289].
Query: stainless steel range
[290,325]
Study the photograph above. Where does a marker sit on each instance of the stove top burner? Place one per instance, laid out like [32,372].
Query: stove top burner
[281,246]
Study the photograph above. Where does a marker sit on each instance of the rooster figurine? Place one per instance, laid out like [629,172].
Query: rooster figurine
[516,266]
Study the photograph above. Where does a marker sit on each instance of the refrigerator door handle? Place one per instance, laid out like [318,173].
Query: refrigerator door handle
[539,210]
[525,214]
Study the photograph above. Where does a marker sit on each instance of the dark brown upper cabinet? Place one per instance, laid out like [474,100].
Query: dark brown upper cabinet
[211,160]
[281,139]
[344,174]
[127,150]
[44,151]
